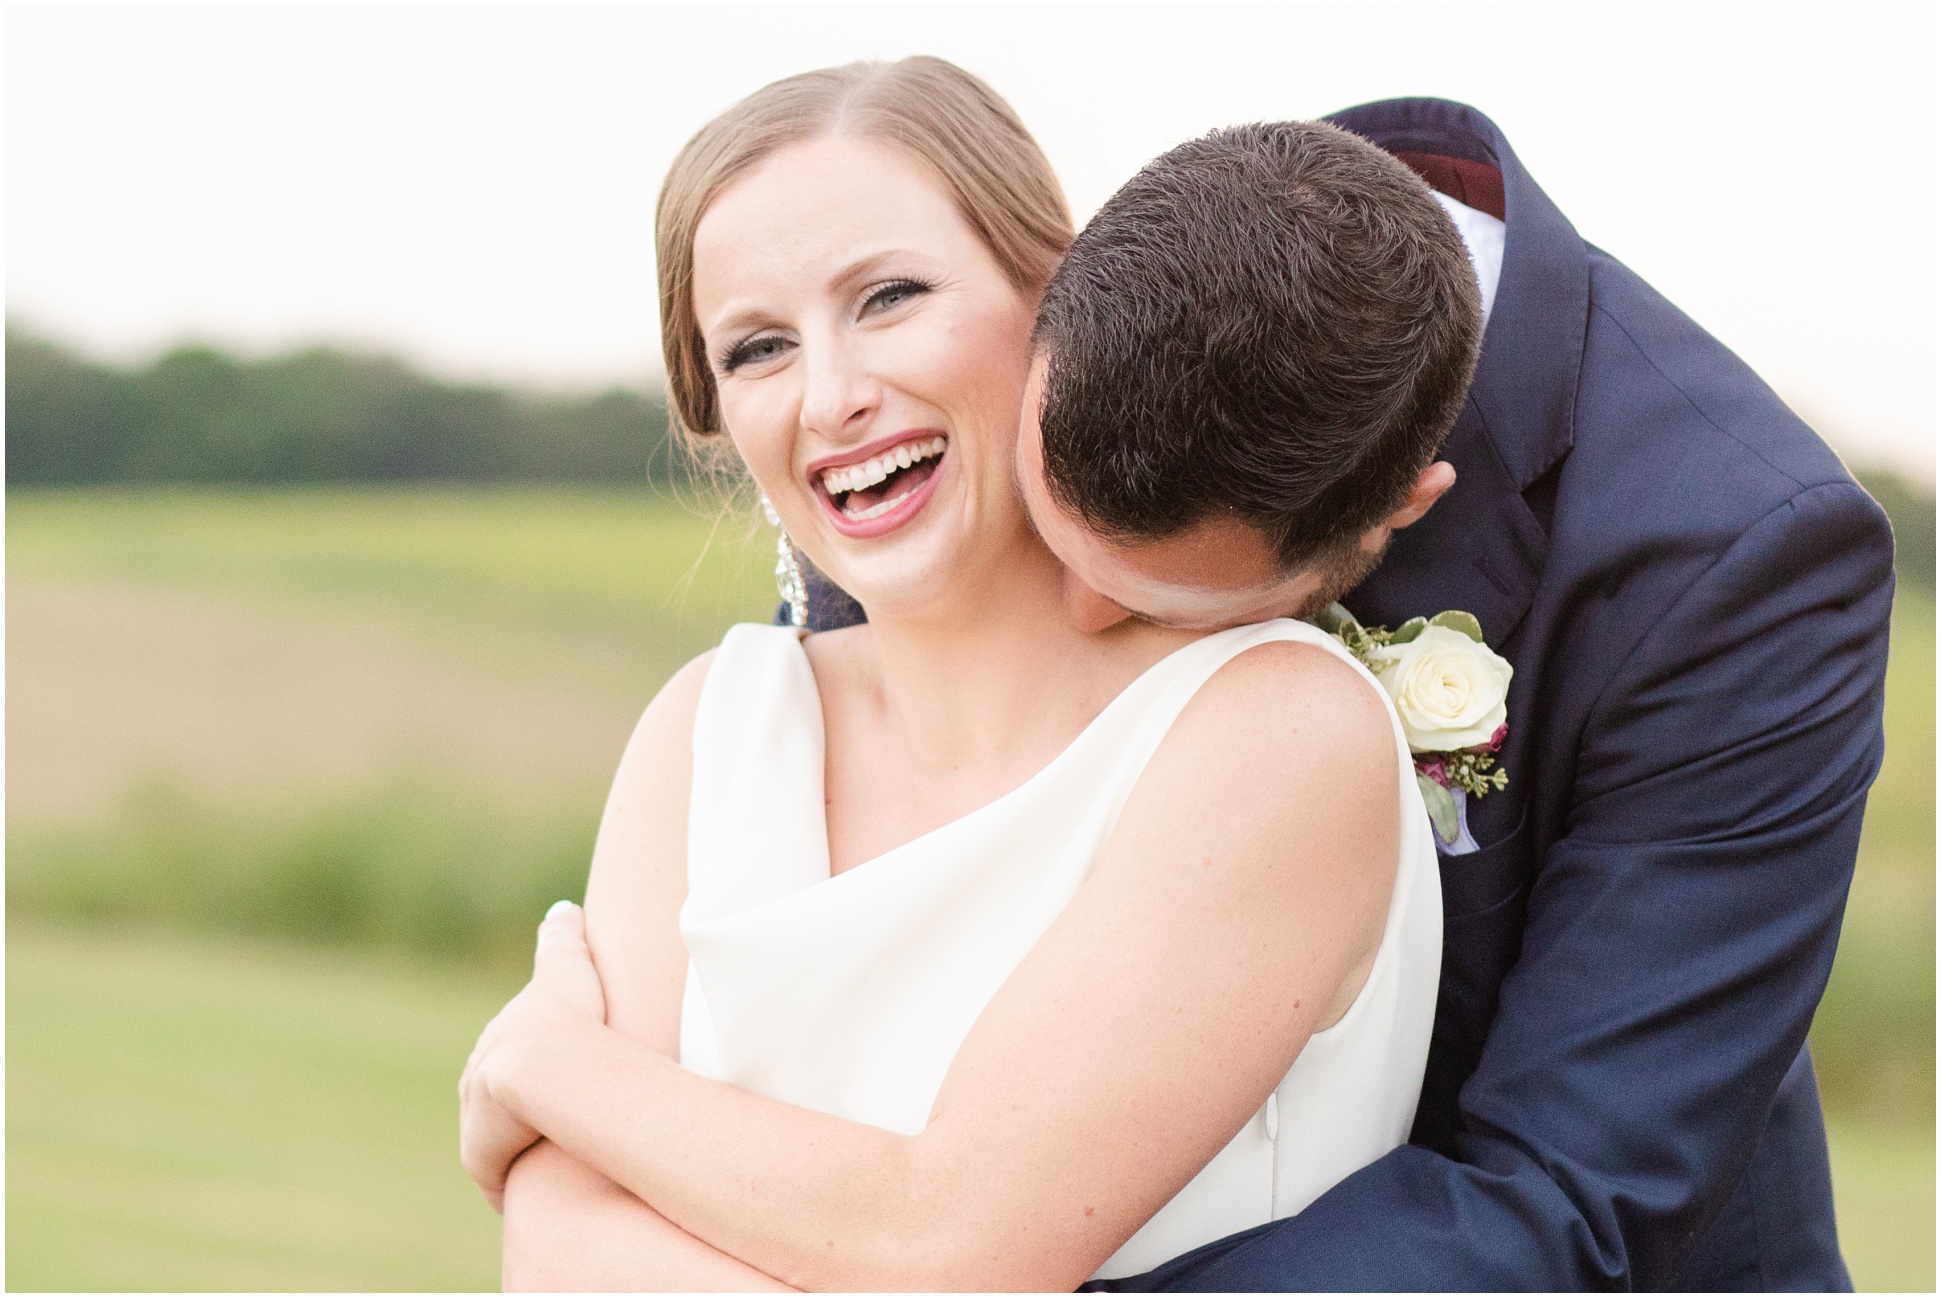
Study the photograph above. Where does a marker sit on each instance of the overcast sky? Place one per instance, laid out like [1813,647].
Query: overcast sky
[474,187]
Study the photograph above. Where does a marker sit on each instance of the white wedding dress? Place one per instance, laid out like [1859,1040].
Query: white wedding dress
[850,994]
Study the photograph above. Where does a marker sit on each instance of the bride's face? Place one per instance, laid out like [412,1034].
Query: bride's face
[870,358]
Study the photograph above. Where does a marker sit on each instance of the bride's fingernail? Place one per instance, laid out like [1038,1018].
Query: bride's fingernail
[560,907]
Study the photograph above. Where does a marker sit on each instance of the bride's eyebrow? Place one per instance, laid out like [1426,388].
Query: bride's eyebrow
[738,321]
[858,270]
[874,263]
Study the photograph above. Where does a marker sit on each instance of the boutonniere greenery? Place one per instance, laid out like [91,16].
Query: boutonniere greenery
[1451,692]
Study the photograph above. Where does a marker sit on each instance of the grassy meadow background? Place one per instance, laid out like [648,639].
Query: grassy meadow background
[293,770]
[291,775]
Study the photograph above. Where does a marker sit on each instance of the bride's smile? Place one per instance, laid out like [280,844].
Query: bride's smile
[879,487]
[869,354]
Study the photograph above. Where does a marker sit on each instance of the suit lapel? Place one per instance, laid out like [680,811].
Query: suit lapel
[1480,549]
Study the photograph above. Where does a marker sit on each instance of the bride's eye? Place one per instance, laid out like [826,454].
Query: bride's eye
[895,293]
[751,351]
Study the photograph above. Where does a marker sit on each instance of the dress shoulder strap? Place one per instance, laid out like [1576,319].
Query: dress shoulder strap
[758,757]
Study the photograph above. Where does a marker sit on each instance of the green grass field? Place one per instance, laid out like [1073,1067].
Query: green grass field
[380,717]
[1873,1039]
[196,1114]
[291,775]
[213,1114]
[570,561]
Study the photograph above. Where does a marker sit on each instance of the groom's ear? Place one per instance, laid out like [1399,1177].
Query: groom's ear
[1430,486]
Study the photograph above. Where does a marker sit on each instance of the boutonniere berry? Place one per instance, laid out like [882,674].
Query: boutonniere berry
[1451,692]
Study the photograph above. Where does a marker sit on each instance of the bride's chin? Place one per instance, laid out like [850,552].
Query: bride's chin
[887,583]
[898,596]
[934,565]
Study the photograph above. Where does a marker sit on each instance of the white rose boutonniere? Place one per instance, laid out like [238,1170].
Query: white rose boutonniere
[1451,692]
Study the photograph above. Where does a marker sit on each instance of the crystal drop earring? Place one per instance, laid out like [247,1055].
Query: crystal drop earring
[788,573]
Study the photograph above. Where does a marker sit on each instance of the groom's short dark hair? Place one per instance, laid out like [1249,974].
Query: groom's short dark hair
[1276,322]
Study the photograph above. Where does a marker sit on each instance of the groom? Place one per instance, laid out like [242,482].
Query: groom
[1694,595]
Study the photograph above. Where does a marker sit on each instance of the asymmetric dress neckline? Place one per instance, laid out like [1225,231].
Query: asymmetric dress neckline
[1105,717]
[851,993]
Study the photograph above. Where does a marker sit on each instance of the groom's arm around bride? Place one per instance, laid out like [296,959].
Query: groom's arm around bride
[1695,597]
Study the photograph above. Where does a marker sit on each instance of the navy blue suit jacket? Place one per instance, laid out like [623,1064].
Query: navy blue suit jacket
[1695,595]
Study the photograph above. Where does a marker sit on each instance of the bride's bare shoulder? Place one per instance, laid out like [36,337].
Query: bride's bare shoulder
[1281,716]
[654,773]
[648,798]
[1304,685]
[670,715]
[639,871]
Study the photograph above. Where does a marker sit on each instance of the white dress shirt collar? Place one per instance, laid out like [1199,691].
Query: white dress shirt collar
[1482,234]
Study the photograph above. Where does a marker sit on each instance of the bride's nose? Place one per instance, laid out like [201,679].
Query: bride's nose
[838,395]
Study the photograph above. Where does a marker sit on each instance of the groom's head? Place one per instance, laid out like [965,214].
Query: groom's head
[1246,365]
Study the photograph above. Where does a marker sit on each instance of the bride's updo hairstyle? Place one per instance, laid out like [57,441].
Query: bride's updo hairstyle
[933,111]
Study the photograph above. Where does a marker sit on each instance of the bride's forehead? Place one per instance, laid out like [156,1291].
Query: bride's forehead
[822,196]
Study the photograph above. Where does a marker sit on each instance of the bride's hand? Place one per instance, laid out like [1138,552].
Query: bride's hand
[565,992]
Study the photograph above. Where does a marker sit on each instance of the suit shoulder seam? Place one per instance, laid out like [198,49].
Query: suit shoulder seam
[1697,409]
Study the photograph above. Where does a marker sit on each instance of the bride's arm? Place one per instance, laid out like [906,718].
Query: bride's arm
[570,1229]
[567,1227]
[1233,914]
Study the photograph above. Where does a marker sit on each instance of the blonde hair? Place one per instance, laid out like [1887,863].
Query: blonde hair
[932,110]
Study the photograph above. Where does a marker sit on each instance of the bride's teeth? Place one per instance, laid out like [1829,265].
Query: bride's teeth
[857,477]
[879,508]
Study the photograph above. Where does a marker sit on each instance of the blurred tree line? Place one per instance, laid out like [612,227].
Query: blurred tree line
[198,415]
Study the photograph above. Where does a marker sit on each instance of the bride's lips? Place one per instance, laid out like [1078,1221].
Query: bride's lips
[904,510]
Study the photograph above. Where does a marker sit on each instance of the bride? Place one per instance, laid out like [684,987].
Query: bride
[961,949]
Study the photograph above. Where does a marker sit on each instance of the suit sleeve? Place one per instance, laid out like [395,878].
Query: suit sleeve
[1679,935]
